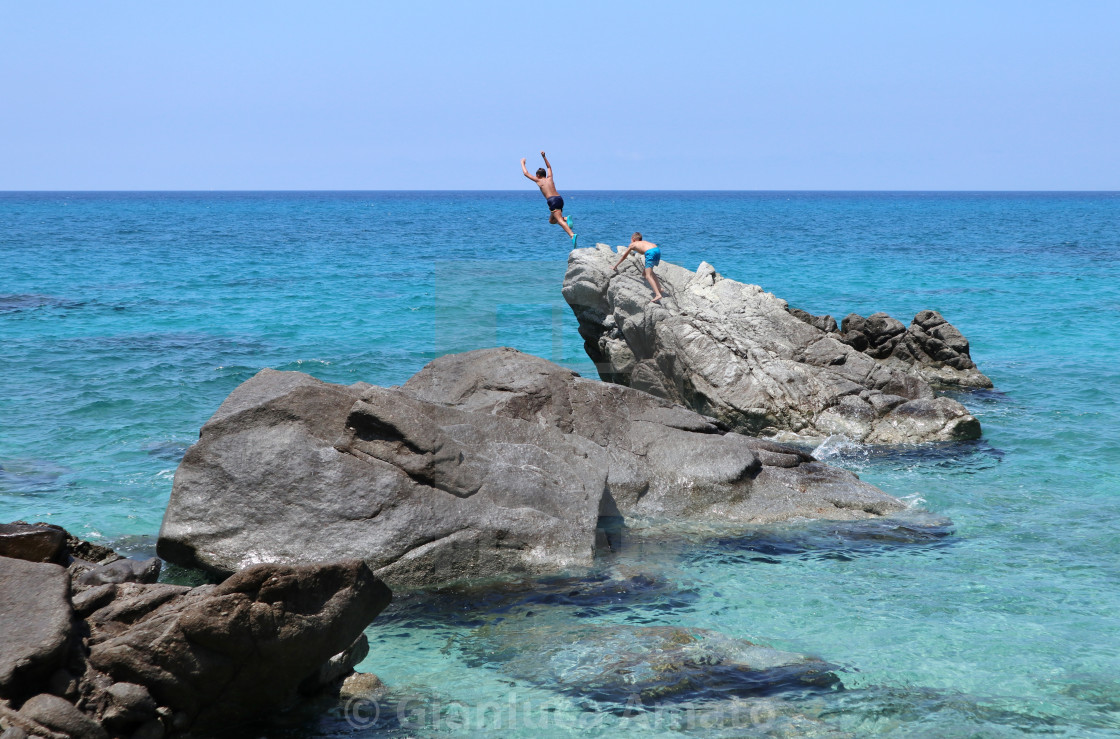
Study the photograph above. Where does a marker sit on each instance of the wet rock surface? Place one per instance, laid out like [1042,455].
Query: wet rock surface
[731,351]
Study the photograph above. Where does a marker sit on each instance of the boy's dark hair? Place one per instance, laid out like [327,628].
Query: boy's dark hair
[637,236]
[541,172]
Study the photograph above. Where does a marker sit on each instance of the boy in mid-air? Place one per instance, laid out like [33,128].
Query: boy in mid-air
[652,253]
[544,181]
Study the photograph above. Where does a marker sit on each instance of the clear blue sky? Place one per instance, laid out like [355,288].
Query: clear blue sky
[341,94]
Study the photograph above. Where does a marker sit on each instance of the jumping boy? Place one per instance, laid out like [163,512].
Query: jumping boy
[543,178]
[652,253]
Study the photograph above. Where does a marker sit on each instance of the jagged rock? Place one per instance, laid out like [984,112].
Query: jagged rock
[35,624]
[486,463]
[218,655]
[33,543]
[151,660]
[824,323]
[736,353]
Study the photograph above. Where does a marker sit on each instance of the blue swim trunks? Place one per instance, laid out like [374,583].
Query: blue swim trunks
[653,256]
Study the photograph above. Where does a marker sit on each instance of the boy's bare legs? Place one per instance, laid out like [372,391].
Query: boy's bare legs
[651,278]
[557,216]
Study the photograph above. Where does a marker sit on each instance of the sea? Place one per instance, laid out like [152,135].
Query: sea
[126,318]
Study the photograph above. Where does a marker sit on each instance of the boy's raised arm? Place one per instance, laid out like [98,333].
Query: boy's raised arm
[546,164]
[525,171]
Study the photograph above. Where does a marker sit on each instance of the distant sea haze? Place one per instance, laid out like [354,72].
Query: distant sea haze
[126,319]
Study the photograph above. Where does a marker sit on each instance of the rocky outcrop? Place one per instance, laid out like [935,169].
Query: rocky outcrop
[486,463]
[930,348]
[731,351]
[144,660]
[662,459]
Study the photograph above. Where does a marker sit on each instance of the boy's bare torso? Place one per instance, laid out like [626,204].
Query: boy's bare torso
[642,246]
[547,186]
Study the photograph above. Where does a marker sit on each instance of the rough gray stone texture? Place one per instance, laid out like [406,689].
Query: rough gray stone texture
[31,542]
[219,655]
[487,463]
[930,348]
[35,624]
[291,469]
[731,351]
[61,717]
[662,460]
[147,661]
[121,570]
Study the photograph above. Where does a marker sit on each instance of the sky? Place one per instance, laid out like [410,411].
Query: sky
[414,94]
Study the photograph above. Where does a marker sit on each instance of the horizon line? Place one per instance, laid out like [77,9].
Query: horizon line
[531,192]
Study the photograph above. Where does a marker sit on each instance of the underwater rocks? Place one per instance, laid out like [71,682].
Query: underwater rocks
[732,351]
[131,659]
[620,664]
[487,463]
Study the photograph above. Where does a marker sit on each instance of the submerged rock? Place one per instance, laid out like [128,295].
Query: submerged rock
[732,351]
[486,463]
[619,664]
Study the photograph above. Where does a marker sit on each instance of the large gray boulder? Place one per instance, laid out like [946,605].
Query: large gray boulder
[731,351]
[35,623]
[487,463]
[291,469]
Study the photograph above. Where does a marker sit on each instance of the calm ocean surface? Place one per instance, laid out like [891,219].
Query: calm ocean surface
[125,320]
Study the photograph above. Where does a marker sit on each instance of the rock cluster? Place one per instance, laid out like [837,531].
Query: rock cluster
[930,348]
[485,463]
[731,351]
[105,651]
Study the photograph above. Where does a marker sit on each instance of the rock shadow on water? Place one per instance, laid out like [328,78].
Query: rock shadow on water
[916,533]
[31,477]
[16,303]
[475,604]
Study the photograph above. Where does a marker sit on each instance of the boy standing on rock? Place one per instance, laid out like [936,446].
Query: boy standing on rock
[652,253]
[544,181]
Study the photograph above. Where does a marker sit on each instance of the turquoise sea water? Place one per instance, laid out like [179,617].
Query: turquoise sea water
[125,319]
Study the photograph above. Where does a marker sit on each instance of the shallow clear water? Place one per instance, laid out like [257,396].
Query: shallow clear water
[125,319]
